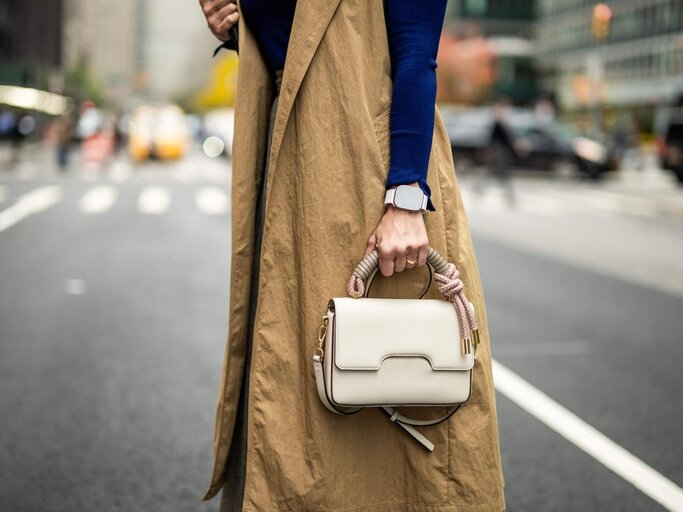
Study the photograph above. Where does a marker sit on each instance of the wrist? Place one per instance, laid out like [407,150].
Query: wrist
[390,208]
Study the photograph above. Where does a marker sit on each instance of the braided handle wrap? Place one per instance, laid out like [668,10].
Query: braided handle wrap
[449,283]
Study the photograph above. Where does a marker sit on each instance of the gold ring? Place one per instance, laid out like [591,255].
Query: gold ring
[411,262]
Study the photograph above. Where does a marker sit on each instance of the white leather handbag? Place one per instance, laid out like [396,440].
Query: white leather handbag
[386,353]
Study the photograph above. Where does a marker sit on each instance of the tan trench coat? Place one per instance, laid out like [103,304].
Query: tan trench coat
[328,165]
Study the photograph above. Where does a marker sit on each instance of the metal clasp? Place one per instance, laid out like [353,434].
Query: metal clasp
[322,333]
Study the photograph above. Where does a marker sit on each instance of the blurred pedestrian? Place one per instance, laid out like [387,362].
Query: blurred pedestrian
[626,140]
[500,154]
[64,132]
[317,144]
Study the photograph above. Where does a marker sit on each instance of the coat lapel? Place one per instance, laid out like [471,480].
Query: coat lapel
[311,19]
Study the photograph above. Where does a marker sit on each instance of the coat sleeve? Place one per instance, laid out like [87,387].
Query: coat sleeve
[414,31]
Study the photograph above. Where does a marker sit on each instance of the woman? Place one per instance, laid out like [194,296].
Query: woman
[311,164]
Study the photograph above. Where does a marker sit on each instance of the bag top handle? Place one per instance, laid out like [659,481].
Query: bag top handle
[369,265]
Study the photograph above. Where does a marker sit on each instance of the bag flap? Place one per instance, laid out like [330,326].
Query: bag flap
[368,331]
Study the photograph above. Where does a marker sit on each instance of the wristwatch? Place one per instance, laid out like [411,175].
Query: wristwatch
[406,197]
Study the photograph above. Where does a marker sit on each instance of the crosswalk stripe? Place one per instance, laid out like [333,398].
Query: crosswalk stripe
[98,199]
[211,200]
[35,201]
[154,200]
[588,438]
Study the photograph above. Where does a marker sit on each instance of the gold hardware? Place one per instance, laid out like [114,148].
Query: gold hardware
[319,352]
[322,332]
[475,337]
[466,345]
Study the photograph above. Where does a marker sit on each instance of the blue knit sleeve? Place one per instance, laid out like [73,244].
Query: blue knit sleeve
[414,30]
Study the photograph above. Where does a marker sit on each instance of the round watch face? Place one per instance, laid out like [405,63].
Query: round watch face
[408,198]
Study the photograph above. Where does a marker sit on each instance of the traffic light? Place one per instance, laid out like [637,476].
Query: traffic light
[602,17]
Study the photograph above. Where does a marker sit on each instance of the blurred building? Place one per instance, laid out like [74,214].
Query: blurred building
[30,41]
[624,53]
[138,50]
[492,17]
[176,48]
[488,46]
[101,39]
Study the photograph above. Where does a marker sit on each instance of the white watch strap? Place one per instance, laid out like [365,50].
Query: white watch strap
[389,196]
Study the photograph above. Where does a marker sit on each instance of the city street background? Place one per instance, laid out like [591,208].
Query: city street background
[115,163]
[113,324]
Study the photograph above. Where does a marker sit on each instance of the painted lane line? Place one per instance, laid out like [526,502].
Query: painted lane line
[98,199]
[211,201]
[588,438]
[544,348]
[154,200]
[35,201]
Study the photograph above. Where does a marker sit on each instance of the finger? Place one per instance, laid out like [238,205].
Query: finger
[422,255]
[412,254]
[226,10]
[211,7]
[386,262]
[400,262]
[222,31]
[223,24]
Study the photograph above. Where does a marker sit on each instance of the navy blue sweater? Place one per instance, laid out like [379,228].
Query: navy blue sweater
[414,30]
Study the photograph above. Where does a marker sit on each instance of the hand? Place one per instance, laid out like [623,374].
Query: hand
[221,15]
[400,236]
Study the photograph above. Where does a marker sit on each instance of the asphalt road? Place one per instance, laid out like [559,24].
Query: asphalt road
[113,312]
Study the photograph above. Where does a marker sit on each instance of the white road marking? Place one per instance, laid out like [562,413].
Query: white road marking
[154,200]
[588,438]
[35,201]
[212,201]
[98,199]
[544,348]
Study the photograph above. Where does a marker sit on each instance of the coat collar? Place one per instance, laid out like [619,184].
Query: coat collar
[311,19]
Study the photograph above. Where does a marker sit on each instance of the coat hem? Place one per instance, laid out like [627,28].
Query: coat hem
[497,505]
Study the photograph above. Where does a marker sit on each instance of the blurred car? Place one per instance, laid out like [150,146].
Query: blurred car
[158,131]
[671,148]
[539,144]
